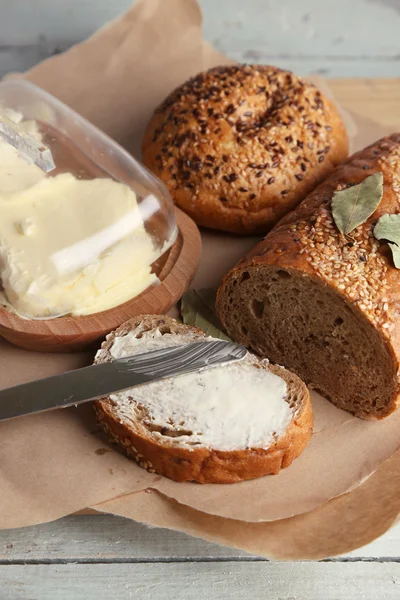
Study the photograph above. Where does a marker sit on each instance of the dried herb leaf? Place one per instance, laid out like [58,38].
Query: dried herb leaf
[198,308]
[388,228]
[354,205]
[395,254]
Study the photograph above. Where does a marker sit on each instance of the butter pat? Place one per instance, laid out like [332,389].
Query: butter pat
[232,407]
[68,246]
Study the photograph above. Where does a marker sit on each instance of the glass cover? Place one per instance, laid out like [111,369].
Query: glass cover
[82,223]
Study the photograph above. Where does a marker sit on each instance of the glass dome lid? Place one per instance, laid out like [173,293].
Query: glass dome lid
[83,223]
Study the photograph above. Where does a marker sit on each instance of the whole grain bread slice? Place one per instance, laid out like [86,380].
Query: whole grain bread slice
[326,305]
[172,450]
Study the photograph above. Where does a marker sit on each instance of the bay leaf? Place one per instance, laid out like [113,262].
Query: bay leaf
[395,254]
[198,309]
[354,205]
[388,228]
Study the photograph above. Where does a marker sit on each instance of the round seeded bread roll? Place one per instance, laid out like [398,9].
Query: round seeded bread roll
[240,146]
[221,425]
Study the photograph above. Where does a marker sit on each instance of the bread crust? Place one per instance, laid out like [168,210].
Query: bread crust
[203,464]
[239,146]
[304,240]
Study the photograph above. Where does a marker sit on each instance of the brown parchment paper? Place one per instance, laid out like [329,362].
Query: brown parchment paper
[337,527]
[54,464]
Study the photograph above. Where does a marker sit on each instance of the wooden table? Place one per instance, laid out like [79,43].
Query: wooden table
[96,556]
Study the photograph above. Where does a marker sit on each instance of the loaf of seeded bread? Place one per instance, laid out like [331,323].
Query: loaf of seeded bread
[325,305]
[222,425]
[239,146]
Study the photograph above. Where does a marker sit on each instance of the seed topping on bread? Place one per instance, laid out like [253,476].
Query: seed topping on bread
[263,140]
[357,263]
[348,264]
[244,139]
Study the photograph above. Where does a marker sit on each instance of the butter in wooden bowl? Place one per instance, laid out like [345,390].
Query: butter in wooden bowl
[83,225]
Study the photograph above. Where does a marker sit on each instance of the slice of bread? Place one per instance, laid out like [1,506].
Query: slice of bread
[221,425]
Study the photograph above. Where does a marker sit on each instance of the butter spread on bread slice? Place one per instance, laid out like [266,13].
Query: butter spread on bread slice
[222,425]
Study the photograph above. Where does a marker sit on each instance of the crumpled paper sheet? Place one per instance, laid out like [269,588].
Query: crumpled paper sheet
[337,527]
[56,463]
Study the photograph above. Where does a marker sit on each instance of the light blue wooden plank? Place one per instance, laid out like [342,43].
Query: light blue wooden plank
[195,581]
[25,22]
[108,538]
[310,28]
[360,28]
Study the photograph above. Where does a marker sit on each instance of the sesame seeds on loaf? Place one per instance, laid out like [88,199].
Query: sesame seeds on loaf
[201,426]
[239,146]
[325,305]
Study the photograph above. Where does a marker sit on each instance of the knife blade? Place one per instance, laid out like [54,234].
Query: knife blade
[100,380]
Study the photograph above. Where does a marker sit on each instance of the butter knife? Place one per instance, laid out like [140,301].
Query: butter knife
[100,380]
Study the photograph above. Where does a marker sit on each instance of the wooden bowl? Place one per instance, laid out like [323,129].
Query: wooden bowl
[175,269]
